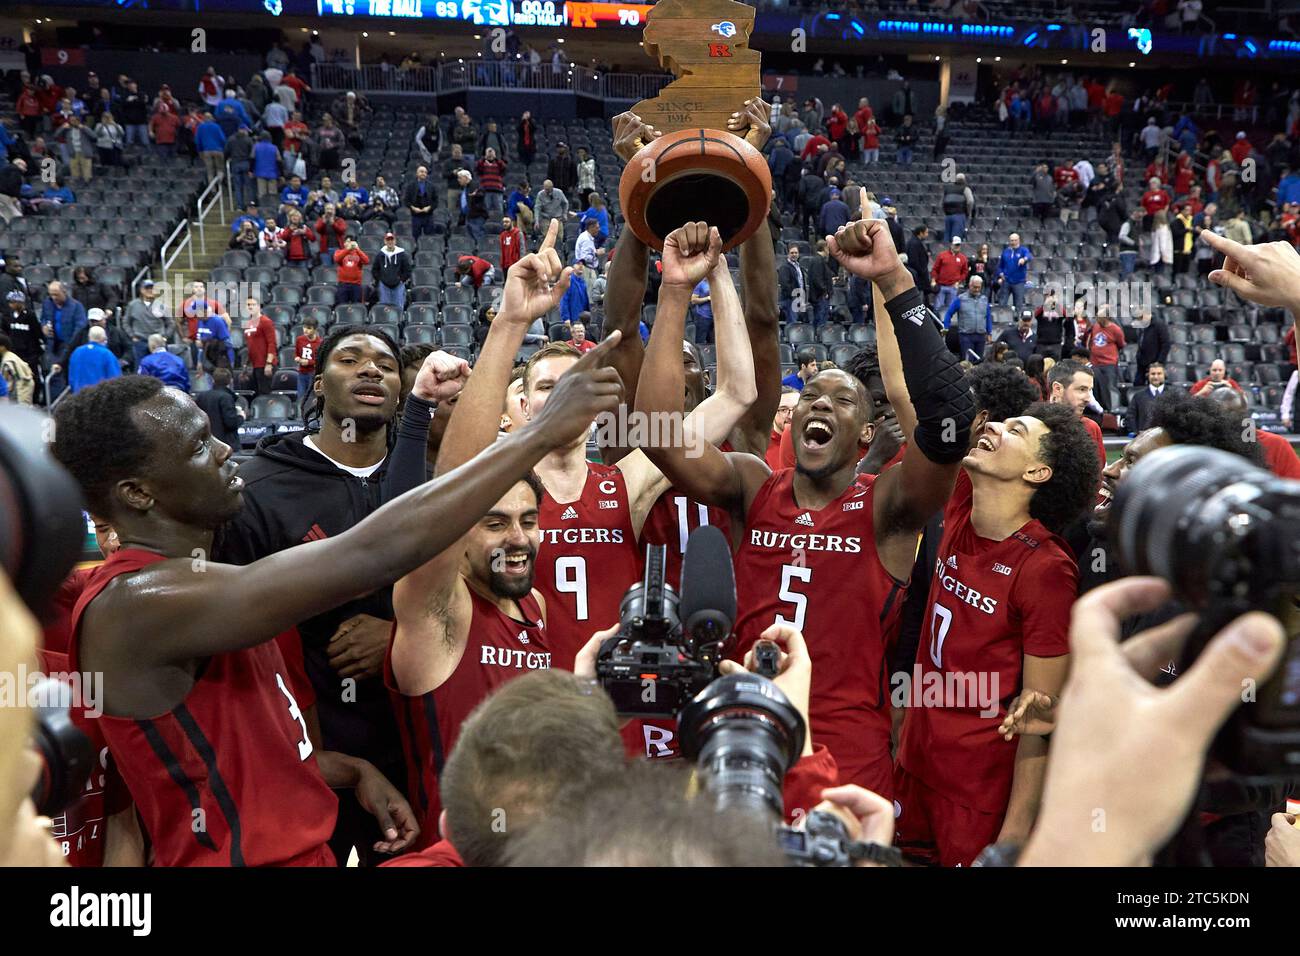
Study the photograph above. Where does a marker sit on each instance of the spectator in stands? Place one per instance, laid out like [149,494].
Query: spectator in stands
[331,141]
[110,137]
[474,271]
[950,270]
[1162,242]
[305,348]
[15,374]
[12,179]
[473,206]
[1153,344]
[90,292]
[821,270]
[133,112]
[210,141]
[527,137]
[519,207]
[464,133]
[834,214]
[146,316]
[1287,412]
[92,363]
[384,194]
[578,335]
[1105,339]
[586,248]
[239,158]
[62,318]
[1013,271]
[262,343]
[298,238]
[294,195]
[1022,338]
[551,204]
[511,243]
[348,111]
[331,231]
[809,195]
[350,261]
[906,140]
[808,367]
[1217,379]
[1043,191]
[974,314]
[1278,455]
[491,177]
[1151,136]
[562,171]
[451,176]
[392,271]
[954,208]
[251,214]
[870,131]
[702,311]
[586,176]
[230,114]
[1142,402]
[420,200]
[78,145]
[265,165]
[918,259]
[22,328]
[1238,228]
[576,300]
[792,287]
[162,364]
[223,411]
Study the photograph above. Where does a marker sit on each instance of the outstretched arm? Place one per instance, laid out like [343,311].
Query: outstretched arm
[196,610]
[697,468]
[907,496]
[534,285]
[757,280]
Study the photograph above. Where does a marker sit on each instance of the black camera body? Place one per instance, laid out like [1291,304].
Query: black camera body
[650,668]
[1226,535]
[824,841]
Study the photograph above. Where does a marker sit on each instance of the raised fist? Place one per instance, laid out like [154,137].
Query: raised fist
[441,377]
[691,252]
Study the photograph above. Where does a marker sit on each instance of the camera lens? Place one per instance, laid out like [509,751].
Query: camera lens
[744,734]
[65,752]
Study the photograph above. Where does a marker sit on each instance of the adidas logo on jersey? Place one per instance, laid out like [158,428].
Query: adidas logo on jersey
[569,512]
[952,561]
[804,519]
[523,637]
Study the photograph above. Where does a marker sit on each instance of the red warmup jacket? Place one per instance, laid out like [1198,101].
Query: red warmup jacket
[297,246]
[1154,200]
[350,262]
[259,336]
[478,268]
[512,248]
[810,147]
[340,229]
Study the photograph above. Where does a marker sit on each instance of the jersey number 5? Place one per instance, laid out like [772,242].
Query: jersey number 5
[304,745]
[789,574]
[571,578]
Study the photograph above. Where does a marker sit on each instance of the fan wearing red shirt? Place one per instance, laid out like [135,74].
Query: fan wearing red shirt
[820,548]
[1063,174]
[578,336]
[1279,456]
[199,306]
[1071,384]
[511,241]
[813,146]
[998,626]
[473,269]
[863,115]
[260,338]
[780,425]
[1155,198]
[350,260]
[305,349]
[1216,381]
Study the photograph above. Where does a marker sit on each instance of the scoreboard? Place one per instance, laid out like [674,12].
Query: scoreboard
[492,13]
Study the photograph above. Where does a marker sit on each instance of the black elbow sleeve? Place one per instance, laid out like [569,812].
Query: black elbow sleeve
[940,392]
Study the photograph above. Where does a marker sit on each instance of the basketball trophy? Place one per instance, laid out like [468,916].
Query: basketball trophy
[697,170]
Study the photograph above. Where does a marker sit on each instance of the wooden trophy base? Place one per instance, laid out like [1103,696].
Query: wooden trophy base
[696,175]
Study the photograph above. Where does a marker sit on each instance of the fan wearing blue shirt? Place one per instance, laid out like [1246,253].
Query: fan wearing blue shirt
[1013,270]
[294,195]
[161,364]
[92,363]
[213,327]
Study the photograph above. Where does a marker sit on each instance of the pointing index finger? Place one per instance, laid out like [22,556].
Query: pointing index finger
[549,242]
[599,356]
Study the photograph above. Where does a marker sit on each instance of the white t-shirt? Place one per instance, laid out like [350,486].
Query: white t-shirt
[365,472]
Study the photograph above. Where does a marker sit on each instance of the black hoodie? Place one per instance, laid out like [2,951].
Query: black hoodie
[293,495]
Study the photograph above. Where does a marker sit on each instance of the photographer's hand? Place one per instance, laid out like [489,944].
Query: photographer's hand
[868,816]
[584,665]
[1267,274]
[1282,845]
[794,672]
[1125,751]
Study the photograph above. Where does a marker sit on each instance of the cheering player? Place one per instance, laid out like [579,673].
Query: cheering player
[194,692]
[591,514]
[999,610]
[824,550]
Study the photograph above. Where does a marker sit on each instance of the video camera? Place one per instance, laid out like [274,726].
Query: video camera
[42,528]
[1226,536]
[740,729]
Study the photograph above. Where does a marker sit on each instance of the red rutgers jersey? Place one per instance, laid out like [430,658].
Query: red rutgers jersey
[498,649]
[818,571]
[588,559]
[227,776]
[991,603]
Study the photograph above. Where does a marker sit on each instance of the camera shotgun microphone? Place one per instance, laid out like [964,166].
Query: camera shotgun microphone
[708,605]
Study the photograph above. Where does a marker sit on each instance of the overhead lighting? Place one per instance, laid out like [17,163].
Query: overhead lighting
[979,59]
[1063,62]
[391,33]
[997,59]
[1132,64]
[315,33]
[560,40]
[936,59]
[478,36]
[365,34]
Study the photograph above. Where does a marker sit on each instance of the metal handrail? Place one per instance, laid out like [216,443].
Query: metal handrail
[181,236]
[204,205]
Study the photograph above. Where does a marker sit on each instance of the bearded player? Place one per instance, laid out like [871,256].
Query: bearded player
[194,686]
[824,550]
[591,514]
[999,609]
